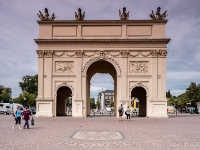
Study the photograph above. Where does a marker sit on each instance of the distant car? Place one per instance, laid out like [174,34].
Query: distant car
[171,109]
[32,110]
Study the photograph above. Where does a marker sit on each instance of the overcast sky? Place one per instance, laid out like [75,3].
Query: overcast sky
[19,27]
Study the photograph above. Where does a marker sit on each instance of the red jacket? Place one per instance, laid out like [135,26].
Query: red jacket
[26,114]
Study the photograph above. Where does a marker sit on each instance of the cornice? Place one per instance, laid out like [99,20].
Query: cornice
[142,41]
[110,22]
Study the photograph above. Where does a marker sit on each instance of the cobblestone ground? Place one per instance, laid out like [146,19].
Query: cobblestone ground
[181,132]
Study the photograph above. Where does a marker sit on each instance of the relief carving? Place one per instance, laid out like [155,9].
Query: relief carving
[138,66]
[40,53]
[64,66]
[161,53]
[49,53]
[139,84]
[104,53]
[64,84]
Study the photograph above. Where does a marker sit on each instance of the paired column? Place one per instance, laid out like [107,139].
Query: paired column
[40,74]
[49,65]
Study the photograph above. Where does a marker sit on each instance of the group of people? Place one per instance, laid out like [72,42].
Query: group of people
[25,115]
[121,112]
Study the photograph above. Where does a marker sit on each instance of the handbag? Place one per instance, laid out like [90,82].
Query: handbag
[32,121]
[125,113]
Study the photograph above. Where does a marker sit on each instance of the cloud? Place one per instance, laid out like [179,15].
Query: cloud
[19,27]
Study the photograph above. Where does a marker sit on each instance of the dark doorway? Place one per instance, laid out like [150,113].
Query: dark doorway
[63,97]
[140,94]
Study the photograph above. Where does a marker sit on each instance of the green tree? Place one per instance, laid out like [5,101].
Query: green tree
[182,100]
[92,103]
[98,104]
[5,94]
[171,101]
[193,94]
[29,84]
[29,99]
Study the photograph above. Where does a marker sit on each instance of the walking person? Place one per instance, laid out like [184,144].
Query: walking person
[121,111]
[128,113]
[18,115]
[26,114]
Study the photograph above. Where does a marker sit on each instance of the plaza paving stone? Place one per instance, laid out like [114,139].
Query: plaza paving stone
[181,132]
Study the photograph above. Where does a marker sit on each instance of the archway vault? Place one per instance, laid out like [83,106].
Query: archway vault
[64,84]
[95,59]
[139,84]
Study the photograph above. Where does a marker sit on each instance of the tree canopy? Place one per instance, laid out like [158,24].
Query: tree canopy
[5,94]
[192,94]
[29,84]
[92,103]
[29,99]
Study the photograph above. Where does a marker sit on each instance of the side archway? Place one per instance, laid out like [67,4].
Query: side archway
[63,93]
[139,91]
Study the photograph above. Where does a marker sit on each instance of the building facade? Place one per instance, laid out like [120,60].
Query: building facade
[106,98]
[133,52]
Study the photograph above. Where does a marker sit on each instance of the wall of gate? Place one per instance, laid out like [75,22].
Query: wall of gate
[135,48]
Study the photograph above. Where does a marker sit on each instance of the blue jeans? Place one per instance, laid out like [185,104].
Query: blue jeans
[26,124]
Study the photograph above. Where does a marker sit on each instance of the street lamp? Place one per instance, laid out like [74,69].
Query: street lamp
[24,101]
[176,106]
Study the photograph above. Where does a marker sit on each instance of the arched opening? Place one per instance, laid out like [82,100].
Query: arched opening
[64,102]
[107,98]
[139,94]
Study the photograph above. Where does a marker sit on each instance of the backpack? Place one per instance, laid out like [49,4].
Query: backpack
[120,109]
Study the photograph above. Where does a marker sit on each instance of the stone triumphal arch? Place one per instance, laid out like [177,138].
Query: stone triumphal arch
[133,52]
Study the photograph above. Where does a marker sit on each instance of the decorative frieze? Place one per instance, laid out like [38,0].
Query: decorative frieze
[103,53]
[64,66]
[138,66]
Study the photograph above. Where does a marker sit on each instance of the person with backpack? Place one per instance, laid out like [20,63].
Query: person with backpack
[18,115]
[127,112]
[121,111]
[26,114]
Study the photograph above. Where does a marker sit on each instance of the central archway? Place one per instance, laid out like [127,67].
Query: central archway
[100,66]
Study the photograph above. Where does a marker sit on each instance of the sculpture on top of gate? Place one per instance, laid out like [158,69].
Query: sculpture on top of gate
[46,16]
[123,15]
[79,16]
[158,16]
